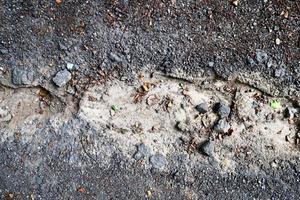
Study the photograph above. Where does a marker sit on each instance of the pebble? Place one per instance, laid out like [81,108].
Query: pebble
[278,41]
[211,64]
[3,51]
[114,57]
[62,47]
[202,108]
[142,151]
[158,161]
[62,78]
[279,72]
[70,66]
[222,109]
[207,148]
[22,77]
[250,61]
[5,115]
[261,56]
[222,126]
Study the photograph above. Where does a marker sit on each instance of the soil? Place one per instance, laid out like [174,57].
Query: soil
[126,125]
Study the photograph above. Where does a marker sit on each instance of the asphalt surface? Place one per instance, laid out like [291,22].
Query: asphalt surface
[118,39]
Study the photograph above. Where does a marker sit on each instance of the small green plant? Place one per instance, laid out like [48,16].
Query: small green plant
[115,108]
[275,104]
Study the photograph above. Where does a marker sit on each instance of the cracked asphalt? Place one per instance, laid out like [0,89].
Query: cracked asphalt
[53,52]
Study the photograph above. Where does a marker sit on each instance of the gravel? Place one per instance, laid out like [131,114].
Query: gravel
[202,108]
[207,148]
[3,51]
[261,56]
[62,78]
[222,109]
[222,126]
[22,77]
[114,57]
[158,161]
[142,152]
[70,66]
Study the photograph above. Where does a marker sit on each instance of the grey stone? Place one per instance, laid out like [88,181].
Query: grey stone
[22,77]
[271,64]
[250,61]
[158,161]
[114,57]
[202,108]
[144,149]
[279,72]
[222,126]
[138,156]
[222,109]
[62,78]
[62,46]
[211,64]
[70,66]
[142,152]
[261,56]
[3,51]
[207,148]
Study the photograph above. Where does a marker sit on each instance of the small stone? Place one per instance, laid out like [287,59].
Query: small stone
[235,2]
[70,66]
[261,56]
[271,64]
[158,161]
[144,149]
[290,112]
[114,57]
[142,152]
[211,64]
[250,61]
[274,164]
[278,41]
[3,51]
[222,109]
[207,148]
[279,72]
[62,47]
[22,77]
[5,115]
[202,108]
[222,126]
[62,78]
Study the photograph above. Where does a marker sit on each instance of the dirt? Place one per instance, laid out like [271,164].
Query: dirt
[126,125]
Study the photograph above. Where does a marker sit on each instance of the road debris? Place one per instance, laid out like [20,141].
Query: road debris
[202,108]
[222,109]
[207,148]
[222,126]
[62,78]
[158,161]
